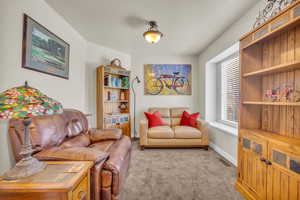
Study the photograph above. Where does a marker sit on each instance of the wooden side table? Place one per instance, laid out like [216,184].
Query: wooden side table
[61,180]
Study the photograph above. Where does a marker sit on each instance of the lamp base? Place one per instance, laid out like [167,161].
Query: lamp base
[24,168]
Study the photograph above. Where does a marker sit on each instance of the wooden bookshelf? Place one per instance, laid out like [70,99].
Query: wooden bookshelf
[113,98]
[269,117]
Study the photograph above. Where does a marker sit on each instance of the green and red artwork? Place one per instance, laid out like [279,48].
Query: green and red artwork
[43,51]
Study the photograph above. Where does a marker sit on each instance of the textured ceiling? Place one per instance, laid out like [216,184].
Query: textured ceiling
[188,25]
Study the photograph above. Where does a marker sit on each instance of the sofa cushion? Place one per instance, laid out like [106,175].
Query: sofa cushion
[97,135]
[175,122]
[166,121]
[189,119]
[164,112]
[76,122]
[161,132]
[177,112]
[154,119]
[73,154]
[103,145]
[82,140]
[187,132]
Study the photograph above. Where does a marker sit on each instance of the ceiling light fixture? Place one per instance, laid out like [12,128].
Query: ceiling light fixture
[153,35]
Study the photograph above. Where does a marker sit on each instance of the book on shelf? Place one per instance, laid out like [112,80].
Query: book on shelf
[117,82]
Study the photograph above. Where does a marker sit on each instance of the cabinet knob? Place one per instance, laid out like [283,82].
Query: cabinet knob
[263,160]
[268,162]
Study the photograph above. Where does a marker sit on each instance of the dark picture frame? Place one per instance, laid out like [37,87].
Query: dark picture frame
[43,51]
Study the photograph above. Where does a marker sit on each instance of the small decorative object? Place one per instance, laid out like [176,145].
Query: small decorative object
[125,82]
[23,103]
[153,35]
[43,51]
[108,95]
[286,92]
[122,95]
[123,107]
[169,79]
[137,80]
[114,95]
[107,80]
[116,62]
[272,8]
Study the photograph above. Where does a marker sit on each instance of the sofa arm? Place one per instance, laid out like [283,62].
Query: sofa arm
[72,154]
[97,135]
[117,165]
[203,127]
[143,131]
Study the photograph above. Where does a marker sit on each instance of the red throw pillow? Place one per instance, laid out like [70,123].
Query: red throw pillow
[154,119]
[189,119]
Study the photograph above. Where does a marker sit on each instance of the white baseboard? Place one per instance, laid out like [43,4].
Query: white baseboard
[224,154]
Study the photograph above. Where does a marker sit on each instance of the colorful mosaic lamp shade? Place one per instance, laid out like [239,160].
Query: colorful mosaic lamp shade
[23,103]
[26,102]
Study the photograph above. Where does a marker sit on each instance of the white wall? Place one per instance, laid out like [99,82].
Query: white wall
[68,92]
[6,153]
[146,101]
[11,16]
[219,139]
[98,55]
[78,92]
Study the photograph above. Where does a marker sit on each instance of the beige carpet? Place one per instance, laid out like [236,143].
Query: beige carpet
[179,174]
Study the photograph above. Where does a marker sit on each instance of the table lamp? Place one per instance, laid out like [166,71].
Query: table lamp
[23,103]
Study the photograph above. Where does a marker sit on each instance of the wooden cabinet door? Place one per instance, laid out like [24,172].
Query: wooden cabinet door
[283,182]
[253,170]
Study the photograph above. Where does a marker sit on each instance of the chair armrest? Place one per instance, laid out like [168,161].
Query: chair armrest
[203,127]
[143,131]
[97,135]
[72,154]
[116,167]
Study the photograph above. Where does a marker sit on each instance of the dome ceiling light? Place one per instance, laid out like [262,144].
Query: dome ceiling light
[153,35]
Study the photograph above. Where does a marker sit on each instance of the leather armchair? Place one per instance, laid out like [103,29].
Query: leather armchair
[67,137]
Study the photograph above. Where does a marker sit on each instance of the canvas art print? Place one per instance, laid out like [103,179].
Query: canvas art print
[43,51]
[168,79]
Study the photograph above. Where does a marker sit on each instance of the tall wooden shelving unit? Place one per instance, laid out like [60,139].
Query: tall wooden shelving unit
[111,97]
[269,128]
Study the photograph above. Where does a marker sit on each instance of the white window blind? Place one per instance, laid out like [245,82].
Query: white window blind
[230,89]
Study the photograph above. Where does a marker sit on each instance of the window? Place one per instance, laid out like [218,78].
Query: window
[229,80]
[222,90]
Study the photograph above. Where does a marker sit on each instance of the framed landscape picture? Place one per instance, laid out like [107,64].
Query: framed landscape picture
[43,51]
[168,79]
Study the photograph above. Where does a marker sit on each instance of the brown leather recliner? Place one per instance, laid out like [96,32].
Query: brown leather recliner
[70,130]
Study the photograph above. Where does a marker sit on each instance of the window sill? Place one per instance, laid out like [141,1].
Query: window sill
[225,128]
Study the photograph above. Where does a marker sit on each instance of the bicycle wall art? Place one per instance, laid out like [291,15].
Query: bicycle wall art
[168,79]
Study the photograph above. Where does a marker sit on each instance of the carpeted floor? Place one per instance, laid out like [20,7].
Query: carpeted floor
[179,174]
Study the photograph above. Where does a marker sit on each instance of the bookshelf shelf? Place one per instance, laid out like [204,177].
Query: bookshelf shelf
[271,103]
[119,101]
[274,69]
[117,88]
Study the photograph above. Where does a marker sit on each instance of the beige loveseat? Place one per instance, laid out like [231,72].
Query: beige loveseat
[172,134]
